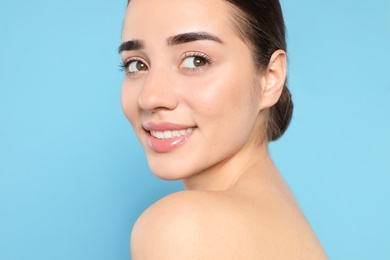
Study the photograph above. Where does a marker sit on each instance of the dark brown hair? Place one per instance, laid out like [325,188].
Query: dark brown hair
[261,24]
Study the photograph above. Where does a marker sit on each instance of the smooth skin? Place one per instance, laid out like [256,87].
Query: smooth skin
[236,204]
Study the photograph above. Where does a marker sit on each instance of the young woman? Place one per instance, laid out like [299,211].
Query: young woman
[204,91]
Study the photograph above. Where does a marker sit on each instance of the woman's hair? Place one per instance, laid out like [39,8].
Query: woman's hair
[260,23]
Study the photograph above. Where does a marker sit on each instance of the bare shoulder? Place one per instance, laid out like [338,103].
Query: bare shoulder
[183,225]
[204,225]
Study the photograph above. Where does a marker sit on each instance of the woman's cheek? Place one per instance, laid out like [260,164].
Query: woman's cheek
[129,102]
[208,94]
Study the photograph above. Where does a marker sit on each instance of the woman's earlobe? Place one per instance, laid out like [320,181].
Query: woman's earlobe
[273,79]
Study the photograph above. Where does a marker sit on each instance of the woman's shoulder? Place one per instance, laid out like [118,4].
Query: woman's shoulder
[183,224]
[181,211]
[210,225]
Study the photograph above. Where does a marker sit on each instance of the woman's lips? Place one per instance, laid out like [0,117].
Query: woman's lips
[166,137]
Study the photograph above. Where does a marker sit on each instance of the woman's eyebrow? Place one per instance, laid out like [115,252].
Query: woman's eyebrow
[191,37]
[182,38]
[132,45]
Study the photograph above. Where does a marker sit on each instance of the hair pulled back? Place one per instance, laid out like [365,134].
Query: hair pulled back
[261,24]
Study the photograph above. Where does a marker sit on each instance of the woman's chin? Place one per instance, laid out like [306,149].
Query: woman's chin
[168,174]
[171,166]
[172,171]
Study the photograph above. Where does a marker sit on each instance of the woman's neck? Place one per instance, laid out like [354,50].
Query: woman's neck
[251,159]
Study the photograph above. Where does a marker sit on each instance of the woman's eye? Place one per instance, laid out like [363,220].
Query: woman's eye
[194,62]
[136,66]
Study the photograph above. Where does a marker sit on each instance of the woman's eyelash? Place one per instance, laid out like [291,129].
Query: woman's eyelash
[124,66]
[198,62]
[199,54]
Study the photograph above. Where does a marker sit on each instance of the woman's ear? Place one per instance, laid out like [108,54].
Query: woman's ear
[273,79]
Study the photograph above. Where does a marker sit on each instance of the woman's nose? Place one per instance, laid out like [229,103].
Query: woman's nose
[158,91]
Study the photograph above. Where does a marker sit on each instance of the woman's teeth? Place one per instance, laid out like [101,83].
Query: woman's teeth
[170,134]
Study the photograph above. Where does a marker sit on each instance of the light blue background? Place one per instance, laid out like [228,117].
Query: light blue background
[73,178]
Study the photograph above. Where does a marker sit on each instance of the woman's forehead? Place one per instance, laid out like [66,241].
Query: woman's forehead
[174,17]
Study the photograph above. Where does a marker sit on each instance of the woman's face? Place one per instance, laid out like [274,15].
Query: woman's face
[190,85]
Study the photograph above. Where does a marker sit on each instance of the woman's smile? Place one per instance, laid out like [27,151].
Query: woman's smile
[166,137]
[168,134]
